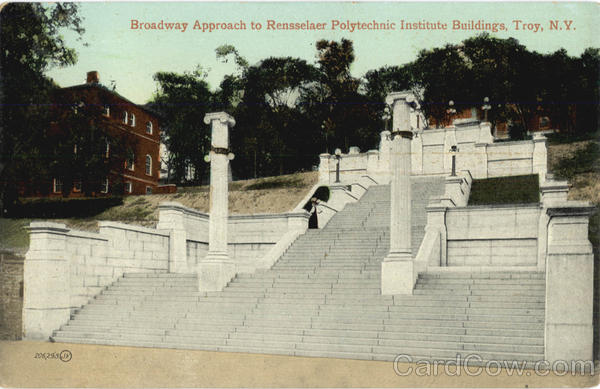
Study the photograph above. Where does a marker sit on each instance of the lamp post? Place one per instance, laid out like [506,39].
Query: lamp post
[325,132]
[338,156]
[486,107]
[386,116]
[453,151]
[450,111]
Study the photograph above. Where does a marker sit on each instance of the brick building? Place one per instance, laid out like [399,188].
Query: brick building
[537,122]
[131,130]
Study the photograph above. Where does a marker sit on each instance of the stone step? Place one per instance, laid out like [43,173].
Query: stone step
[482,275]
[481,281]
[467,287]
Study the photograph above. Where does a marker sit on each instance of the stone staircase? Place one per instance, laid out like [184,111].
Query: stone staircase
[323,299]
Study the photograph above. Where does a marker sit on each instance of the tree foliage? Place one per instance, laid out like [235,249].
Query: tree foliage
[31,44]
[183,100]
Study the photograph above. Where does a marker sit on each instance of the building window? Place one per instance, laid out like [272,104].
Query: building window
[104,186]
[148,127]
[130,162]
[106,111]
[148,190]
[132,120]
[128,187]
[544,121]
[56,185]
[107,149]
[77,185]
[148,165]
[124,117]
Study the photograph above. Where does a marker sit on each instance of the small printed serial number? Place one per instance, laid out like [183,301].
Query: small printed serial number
[64,356]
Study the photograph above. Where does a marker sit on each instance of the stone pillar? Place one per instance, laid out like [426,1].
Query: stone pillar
[416,149]
[46,281]
[480,158]
[397,269]
[372,161]
[171,217]
[569,284]
[384,156]
[324,174]
[485,133]
[217,269]
[540,156]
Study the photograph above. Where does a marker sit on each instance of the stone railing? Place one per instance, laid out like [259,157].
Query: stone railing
[339,196]
[253,239]
[65,268]
[430,155]
[492,236]
[550,236]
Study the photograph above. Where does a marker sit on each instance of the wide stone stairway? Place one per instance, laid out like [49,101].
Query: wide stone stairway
[322,298]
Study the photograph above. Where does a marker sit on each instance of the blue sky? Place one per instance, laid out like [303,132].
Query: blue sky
[130,57]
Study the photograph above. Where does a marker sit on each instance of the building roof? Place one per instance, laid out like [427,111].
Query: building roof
[144,107]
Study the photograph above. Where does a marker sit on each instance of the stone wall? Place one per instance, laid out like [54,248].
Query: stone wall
[65,268]
[492,236]
[251,237]
[11,295]
[430,155]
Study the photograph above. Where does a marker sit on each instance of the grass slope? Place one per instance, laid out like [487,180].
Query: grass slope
[263,195]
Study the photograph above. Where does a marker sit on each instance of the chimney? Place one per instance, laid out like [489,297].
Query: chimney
[93,77]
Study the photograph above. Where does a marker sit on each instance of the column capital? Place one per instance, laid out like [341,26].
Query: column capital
[223,117]
[407,96]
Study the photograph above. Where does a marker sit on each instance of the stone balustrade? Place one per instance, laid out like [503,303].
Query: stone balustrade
[430,154]
[65,268]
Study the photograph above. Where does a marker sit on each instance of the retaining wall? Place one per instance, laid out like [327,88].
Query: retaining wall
[430,149]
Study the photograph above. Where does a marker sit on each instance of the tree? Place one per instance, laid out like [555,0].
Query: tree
[269,137]
[442,74]
[380,82]
[31,44]
[334,104]
[588,92]
[183,100]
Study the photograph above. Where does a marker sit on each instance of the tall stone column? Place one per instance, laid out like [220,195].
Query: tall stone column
[217,269]
[397,269]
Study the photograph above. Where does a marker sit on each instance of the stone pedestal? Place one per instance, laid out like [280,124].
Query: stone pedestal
[324,175]
[397,269]
[384,164]
[569,284]
[540,156]
[171,218]
[217,269]
[46,280]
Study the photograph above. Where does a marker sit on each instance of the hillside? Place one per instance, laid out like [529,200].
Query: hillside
[263,195]
[578,162]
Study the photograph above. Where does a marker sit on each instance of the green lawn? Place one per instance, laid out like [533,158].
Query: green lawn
[13,234]
[505,190]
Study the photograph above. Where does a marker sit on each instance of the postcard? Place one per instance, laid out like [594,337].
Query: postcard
[299,194]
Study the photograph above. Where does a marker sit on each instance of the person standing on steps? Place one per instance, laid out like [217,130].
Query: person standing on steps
[313,222]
